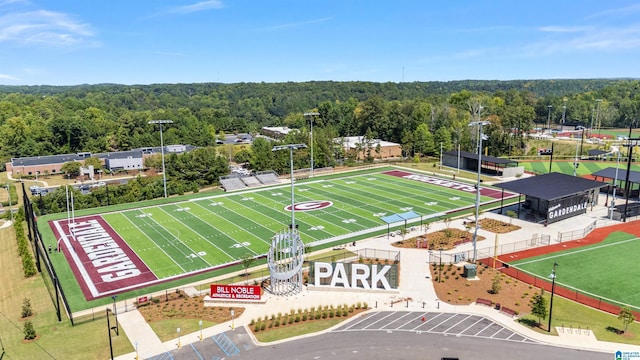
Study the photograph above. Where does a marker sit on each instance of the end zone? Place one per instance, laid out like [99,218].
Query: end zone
[100,259]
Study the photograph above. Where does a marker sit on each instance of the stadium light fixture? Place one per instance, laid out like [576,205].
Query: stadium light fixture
[291,147]
[311,115]
[480,125]
[549,118]
[553,288]
[164,173]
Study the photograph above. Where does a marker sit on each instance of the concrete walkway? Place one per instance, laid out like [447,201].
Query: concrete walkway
[140,333]
[415,292]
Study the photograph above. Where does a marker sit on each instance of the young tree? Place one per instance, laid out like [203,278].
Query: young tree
[26,308]
[512,215]
[71,168]
[539,307]
[247,260]
[29,331]
[495,285]
[626,316]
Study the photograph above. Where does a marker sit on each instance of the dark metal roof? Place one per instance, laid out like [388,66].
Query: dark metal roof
[596,152]
[485,158]
[610,173]
[64,158]
[551,186]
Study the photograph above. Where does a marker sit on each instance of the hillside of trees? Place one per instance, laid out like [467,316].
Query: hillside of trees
[43,120]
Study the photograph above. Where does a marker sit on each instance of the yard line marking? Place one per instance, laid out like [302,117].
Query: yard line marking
[201,236]
[153,241]
[175,240]
[240,228]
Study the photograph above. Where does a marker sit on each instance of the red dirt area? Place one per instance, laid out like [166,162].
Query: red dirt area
[458,290]
[179,305]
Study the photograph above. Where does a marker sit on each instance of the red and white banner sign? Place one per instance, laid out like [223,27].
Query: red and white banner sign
[235,292]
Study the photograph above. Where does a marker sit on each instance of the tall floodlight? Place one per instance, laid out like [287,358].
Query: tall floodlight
[564,111]
[286,254]
[549,118]
[164,173]
[615,186]
[311,115]
[479,124]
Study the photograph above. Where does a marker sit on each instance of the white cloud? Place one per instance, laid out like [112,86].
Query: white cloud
[43,27]
[298,24]
[616,12]
[563,29]
[199,6]
[8,77]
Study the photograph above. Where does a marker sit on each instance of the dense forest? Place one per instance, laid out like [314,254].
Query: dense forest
[42,120]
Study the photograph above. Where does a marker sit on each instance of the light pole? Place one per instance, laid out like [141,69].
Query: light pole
[164,173]
[564,110]
[200,323]
[440,268]
[575,162]
[311,115]
[549,119]
[291,147]
[615,186]
[598,101]
[479,124]
[553,288]
[115,314]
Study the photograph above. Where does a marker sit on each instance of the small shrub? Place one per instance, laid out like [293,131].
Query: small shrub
[304,317]
[263,326]
[253,322]
[29,331]
[256,328]
[26,308]
[291,319]
[297,318]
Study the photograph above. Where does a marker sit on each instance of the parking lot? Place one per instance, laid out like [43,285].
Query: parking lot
[433,323]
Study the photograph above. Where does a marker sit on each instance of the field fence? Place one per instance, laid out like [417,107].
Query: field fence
[536,240]
[576,234]
[568,292]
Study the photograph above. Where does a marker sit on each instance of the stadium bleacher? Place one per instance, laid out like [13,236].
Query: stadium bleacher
[268,177]
[250,181]
[232,182]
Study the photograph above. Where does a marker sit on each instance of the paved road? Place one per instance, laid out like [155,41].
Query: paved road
[390,335]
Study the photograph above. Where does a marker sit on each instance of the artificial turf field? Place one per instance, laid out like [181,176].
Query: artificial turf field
[604,270]
[160,243]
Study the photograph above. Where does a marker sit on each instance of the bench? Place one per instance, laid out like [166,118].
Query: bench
[508,311]
[483,302]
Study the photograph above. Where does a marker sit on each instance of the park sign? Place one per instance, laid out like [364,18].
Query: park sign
[354,275]
[235,292]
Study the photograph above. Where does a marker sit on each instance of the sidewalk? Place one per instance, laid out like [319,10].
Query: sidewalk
[416,285]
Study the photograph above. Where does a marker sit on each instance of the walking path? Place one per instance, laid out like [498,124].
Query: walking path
[415,293]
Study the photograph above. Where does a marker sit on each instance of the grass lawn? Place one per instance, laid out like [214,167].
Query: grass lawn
[302,328]
[167,329]
[600,269]
[571,314]
[566,167]
[58,340]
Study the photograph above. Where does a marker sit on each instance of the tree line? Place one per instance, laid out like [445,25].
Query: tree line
[44,120]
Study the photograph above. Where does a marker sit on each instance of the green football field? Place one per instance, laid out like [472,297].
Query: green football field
[603,271]
[168,242]
[199,234]
[566,167]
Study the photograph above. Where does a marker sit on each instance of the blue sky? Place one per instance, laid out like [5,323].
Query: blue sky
[68,42]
